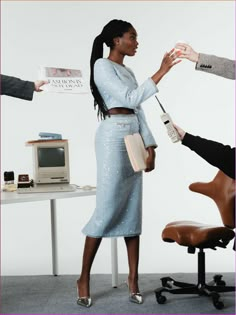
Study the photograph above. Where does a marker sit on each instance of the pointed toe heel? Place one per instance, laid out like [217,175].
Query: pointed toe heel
[136,298]
[84,301]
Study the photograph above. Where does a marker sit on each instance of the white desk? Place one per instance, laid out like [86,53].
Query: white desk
[14,197]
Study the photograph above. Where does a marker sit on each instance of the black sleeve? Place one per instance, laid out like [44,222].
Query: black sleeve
[15,87]
[215,153]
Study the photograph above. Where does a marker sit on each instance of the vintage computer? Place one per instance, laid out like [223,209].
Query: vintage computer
[51,167]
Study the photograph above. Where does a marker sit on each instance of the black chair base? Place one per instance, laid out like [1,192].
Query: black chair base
[189,288]
[210,289]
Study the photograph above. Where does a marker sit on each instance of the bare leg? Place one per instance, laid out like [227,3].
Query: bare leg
[90,249]
[132,244]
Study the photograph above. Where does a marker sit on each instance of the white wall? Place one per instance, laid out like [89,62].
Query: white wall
[60,33]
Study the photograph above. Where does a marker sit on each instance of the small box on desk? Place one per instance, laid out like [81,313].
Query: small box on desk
[24,181]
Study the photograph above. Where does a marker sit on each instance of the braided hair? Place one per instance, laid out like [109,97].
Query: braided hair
[113,29]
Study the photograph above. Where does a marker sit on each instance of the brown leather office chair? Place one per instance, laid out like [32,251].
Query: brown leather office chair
[198,235]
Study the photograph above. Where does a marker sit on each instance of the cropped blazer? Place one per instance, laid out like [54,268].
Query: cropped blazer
[118,87]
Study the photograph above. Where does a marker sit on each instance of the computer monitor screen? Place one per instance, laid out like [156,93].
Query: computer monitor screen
[51,157]
[51,162]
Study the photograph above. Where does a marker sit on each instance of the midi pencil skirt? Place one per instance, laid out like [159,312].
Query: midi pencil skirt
[118,209]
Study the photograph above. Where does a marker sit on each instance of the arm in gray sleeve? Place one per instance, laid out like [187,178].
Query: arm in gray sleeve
[15,87]
[217,65]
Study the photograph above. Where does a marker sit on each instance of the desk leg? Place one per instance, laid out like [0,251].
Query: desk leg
[114,262]
[54,237]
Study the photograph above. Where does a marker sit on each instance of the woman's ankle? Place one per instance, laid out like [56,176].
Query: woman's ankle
[133,284]
[83,287]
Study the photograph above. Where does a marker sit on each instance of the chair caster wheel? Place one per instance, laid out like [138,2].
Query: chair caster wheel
[222,282]
[219,305]
[217,302]
[218,281]
[161,299]
[167,282]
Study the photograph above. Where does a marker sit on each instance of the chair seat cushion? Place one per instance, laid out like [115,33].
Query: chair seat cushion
[195,234]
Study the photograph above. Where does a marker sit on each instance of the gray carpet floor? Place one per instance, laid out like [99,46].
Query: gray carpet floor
[57,295]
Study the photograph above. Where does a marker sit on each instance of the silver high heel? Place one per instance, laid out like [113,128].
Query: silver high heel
[135,297]
[84,301]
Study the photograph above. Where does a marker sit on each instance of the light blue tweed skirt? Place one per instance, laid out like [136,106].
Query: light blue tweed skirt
[118,209]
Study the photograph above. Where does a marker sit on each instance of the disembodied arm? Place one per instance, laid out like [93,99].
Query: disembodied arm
[15,87]
[217,65]
[215,153]
[208,63]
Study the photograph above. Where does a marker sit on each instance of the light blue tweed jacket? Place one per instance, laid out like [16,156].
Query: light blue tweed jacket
[119,88]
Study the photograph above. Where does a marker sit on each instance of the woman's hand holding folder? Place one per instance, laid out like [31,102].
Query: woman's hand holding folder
[150,162]
[141,158]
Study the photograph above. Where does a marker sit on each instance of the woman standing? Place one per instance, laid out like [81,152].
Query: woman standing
[119,189]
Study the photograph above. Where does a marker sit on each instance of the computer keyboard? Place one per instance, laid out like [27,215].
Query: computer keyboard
[44,188]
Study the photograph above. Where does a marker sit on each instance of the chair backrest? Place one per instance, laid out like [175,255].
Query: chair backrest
[222,190]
